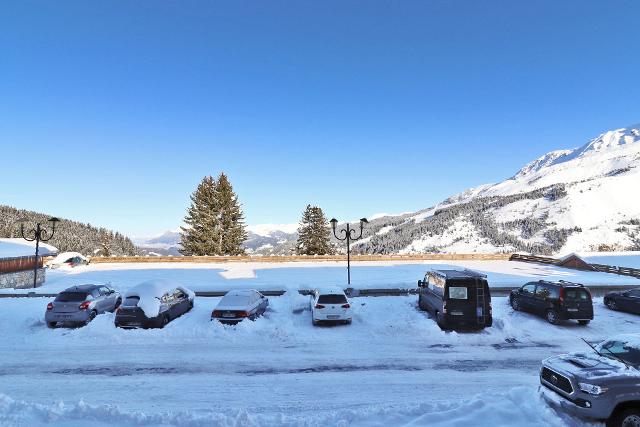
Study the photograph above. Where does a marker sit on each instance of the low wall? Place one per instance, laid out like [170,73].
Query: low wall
[21,279]
[299,258]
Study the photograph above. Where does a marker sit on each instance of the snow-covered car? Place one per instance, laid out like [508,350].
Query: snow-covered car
[237,305]
[153,304]
[330,305]
[628,301]
[68,259]
[601,384]
[81,304]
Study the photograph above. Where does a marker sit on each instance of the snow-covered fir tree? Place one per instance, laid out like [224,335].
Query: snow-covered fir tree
[215,223]
[314,235]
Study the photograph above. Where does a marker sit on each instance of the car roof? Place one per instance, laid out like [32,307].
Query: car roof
[562,283]
[82,288]
[240,292]
[330,290]
[459,274]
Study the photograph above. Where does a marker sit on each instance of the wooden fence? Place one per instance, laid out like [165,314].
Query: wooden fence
[300,258]
[623,271]
[12,265]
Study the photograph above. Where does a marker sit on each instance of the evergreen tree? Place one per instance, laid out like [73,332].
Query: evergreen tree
[202,234]
[314,235]
[230,217]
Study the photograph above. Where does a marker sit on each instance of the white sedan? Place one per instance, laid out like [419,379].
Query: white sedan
[330,305]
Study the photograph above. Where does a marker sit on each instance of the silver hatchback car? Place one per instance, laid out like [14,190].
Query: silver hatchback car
[81,304]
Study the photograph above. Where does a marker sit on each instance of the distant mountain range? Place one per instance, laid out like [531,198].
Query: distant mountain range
[568,200]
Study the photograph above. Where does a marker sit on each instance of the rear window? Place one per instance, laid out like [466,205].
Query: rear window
[332,299]
[458,292]
[576,294]
[131,301]
[240,300]
[71,297]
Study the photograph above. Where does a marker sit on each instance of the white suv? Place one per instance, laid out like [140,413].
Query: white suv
[330,305]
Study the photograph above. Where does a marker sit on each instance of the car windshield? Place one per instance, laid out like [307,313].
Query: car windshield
[627,351]
[240,300]
[71,297]
[332,299]
[131,301]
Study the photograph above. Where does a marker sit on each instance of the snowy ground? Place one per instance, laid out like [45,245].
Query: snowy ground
[392,366]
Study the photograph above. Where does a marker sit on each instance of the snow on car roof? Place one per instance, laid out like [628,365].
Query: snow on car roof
[81,288]
[240,292]
[149,293]
[632,339]
[65,256]
[14,248]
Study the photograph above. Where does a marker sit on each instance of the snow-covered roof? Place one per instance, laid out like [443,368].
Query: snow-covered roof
[330,290]
[14,248]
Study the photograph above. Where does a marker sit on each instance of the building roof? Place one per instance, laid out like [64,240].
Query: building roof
[18,248]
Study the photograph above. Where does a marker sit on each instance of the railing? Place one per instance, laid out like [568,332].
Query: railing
[533,258]
[299,258]
[603,268]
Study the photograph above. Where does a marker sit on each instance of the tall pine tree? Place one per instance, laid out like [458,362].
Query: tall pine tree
[314,235]
[201,236]
[233,233]
[215,223]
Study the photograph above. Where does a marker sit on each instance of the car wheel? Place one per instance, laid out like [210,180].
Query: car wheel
[611,304]
[439,321]
[347,322]
[552,317]
[626,418]
[315,322]
[515,304]
[92,316]
[585,323]
[52,324]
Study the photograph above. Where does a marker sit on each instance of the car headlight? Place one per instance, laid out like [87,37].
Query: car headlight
[596,390]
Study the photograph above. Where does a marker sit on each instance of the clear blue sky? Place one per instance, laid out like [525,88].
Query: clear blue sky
[111,112]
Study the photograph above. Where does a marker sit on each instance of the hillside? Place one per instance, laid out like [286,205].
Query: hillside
[567,200]
[70,235]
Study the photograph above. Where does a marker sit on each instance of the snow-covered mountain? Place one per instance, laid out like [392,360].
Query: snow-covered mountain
[567,200]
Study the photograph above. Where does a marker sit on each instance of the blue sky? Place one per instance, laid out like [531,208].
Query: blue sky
[111,112]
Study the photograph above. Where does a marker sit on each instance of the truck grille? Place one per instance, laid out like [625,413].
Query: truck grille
[557,380]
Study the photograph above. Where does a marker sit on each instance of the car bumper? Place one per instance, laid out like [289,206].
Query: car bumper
[317,317]
[466,322]
[75,317]
[229,320]
[597,410]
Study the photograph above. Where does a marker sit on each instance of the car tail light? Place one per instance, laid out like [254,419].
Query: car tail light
[242,314]
[85,305]
[444,308]
[561,295]
[50,306]
[346,306]
[319,306]
[216,313]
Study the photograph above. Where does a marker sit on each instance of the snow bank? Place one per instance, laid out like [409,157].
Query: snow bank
[150,293]
[520,406]
[19,247]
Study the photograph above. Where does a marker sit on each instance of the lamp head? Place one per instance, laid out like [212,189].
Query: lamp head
[363,221]
[334,223]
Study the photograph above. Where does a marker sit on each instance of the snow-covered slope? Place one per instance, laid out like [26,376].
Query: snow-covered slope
[567,200]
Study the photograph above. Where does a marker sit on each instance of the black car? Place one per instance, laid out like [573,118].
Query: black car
[555,301]
[624,300]
[456,299]
[153,305]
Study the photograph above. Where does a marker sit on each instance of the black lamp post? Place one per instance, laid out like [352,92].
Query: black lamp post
[348,234]
[39,234]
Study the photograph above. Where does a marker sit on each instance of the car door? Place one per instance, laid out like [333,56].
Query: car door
[525,296]
[630,301]
[108,298]
[99,300]
[434,294]
[539,301]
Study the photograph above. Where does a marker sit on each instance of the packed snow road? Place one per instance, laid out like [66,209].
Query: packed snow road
[393,365]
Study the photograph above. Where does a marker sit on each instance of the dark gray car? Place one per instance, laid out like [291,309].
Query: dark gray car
[602,384]
[81,304]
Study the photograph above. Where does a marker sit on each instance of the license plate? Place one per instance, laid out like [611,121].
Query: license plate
[64,316]
[333,317]
[572,309]
[228,314]
[456,313]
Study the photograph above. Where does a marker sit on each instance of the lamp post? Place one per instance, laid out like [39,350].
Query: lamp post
[348,234]
[39,234]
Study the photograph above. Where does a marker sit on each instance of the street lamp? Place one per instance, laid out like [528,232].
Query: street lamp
[39,234]
[348,234]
